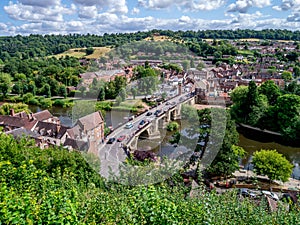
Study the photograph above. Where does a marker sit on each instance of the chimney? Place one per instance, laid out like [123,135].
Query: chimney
[179,89]
[12,112]
[31,117]
[58,128]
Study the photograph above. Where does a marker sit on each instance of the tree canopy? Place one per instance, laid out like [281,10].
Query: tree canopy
[272,164]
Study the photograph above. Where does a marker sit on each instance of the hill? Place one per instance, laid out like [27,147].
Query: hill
[80,53]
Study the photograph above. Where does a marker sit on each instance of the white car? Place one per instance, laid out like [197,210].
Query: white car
[128,125]
[271,194]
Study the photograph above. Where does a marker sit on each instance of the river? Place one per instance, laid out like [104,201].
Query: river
[248,142]
[251,145]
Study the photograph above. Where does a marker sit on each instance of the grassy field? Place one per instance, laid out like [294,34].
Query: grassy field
[159,38]
[245,52]
[80,53]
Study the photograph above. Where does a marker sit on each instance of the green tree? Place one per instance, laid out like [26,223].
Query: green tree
[46,90]
[5,83]
[287,76]
[101,96]
[238,109]
[18,107]
[272,164]
[228,157]
[287,109]
[89,51]
[186,65]
[296,71]
[122,94]
[134,92]
[172,126]
[271,90]
[63,91]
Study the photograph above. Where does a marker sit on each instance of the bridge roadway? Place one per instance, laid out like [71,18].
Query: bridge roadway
[112,155]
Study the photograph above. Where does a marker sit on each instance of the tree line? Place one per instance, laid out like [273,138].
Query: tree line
[34,45]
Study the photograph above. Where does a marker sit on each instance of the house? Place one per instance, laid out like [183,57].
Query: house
[13,122]
[89,129]
[54,134]
[76,144]
[46,116]
[22,132]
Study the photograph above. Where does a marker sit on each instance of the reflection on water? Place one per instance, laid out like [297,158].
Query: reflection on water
[291,153]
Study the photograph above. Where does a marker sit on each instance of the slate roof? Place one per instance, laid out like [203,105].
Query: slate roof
[14,121]
[90,121]
[21,132]
[50,129]
[76,144]
[42,115]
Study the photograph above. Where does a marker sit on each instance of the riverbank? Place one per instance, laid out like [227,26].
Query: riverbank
[265,135]
[291,184]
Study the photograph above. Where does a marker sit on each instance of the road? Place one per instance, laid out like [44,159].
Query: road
[112,155]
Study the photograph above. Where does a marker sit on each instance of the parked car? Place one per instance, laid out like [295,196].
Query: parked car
[121,138]
[128,125]
[111,140]
[245,192]
[271,194]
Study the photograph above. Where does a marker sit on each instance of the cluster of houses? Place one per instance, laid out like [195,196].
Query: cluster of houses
[46,130]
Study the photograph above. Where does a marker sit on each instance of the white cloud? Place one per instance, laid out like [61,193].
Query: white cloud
[112,6]
[3,27]
[32,13]
[135,11]
[287,5]
[242,6]
[40,3]
[186,5]
[294,17]
[87,12]
[294,6]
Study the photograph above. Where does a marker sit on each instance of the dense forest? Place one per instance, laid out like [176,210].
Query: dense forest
[25,47]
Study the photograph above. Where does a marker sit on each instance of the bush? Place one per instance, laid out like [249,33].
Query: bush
[34,101]
[27,97]
[59,103]
[173,126]
[46,103]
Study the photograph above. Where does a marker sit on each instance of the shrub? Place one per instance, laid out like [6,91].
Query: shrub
[173,126]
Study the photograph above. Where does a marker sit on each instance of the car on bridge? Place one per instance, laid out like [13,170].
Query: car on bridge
[111,140]
[142,123]
[128,125]
[121,138]
[149,113]
[157,112]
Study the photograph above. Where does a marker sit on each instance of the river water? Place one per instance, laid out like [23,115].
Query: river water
[248,142]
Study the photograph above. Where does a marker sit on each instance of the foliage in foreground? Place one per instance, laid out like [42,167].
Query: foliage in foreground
[54,186]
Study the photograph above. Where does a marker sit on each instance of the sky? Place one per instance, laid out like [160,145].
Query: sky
[118,16]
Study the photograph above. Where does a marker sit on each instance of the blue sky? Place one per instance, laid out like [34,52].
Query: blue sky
[114,16]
